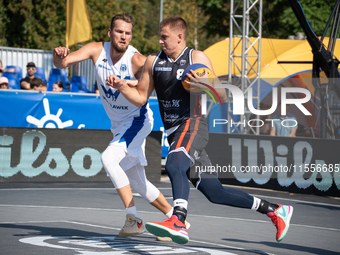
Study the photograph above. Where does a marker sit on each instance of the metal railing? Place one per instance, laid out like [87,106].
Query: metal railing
[44,58]
[20,57]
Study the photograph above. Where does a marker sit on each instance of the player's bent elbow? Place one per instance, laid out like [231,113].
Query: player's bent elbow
[141,103]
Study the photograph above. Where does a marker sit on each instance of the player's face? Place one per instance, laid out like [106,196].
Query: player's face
[169,40]
[121,35]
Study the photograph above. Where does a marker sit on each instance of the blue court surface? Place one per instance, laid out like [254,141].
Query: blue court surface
[86,219]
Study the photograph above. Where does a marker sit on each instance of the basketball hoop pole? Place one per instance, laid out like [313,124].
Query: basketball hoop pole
[161,12]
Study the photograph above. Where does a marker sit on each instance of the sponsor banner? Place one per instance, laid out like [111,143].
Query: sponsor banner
[51,110]
[31,109]
[64,155]
[58,110]
[282,163]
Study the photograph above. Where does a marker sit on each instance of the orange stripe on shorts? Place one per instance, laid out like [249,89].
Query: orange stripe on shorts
[180,140]
[193,134]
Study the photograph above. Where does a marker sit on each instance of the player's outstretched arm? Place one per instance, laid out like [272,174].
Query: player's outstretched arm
[62,57]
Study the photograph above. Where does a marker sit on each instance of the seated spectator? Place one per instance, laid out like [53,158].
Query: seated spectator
[38,84]
[284,125]
[263,120]
[9,70]
[4,83]
[25,82]
[58,86]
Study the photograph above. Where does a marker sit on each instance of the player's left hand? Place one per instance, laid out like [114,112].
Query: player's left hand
[114,81]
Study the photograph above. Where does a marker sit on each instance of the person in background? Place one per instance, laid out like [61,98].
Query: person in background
[263,120]
[4,83]
[284,124]
[58,86]
[38,84]
[2,69]
[25,82]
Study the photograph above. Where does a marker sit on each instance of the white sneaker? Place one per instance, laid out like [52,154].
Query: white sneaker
[133,226]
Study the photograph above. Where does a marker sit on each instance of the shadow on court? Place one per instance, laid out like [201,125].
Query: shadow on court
[293,248]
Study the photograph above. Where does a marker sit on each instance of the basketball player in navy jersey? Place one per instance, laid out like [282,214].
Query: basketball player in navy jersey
[124,158]
[187,133]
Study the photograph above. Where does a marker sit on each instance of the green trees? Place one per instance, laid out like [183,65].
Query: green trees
[279,20]
[317,13]
[42,24]
[26,24]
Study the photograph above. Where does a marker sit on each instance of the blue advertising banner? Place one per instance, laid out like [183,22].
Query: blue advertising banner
[58,110]
[31,109]
[52,111]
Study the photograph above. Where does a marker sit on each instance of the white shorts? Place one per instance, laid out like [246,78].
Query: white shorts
[131,136]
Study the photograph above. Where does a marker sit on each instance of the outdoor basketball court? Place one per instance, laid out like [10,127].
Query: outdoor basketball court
[86,219]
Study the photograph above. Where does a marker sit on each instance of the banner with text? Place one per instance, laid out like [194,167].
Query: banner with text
[281,163]
[66,155]
[31,109]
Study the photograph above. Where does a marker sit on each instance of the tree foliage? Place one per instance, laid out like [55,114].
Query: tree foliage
[279,20]
[42,24]
[217,13]
[28,24]
[101,13]
[317,13]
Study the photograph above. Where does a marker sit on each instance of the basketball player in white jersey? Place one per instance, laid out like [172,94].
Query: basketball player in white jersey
[124,158]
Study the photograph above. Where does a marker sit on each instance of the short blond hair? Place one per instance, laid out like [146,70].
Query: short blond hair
[175,22]
[122,16]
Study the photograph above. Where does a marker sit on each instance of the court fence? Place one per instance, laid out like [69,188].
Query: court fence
[44,58]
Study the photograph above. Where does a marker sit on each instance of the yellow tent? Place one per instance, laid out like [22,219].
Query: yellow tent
[272,74]
[272,51]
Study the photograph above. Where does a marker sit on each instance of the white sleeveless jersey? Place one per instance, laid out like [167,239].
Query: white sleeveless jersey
[118,109]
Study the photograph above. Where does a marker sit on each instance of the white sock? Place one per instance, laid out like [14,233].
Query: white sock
[132,210]
[181,202]
[256,203]
[169,214]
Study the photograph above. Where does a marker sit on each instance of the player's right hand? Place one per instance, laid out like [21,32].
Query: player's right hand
[60,52]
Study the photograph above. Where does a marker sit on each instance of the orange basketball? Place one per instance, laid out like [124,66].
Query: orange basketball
[199,70]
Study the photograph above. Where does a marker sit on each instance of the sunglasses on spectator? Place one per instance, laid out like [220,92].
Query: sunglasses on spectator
[33,68]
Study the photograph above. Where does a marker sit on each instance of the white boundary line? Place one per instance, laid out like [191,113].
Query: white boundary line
[148,212]
[63,207]
[136,194]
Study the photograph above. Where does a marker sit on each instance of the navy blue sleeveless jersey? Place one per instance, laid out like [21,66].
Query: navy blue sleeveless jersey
[176,105]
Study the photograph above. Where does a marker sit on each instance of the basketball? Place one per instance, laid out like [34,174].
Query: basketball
[199,70]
